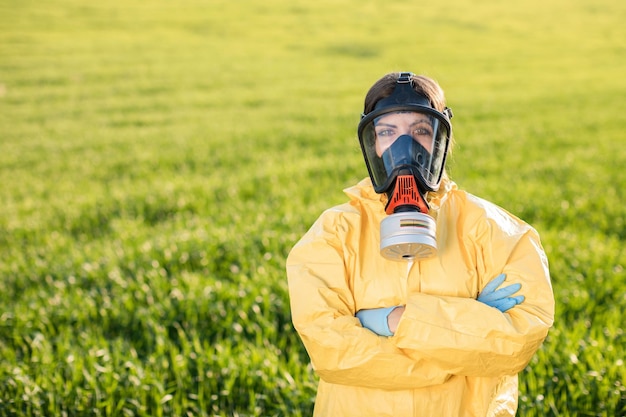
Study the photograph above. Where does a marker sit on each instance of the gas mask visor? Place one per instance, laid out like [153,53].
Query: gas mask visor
[405,140]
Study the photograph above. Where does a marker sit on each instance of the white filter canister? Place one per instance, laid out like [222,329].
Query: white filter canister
[408,236]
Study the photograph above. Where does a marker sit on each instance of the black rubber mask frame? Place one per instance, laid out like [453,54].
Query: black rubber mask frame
[404,99]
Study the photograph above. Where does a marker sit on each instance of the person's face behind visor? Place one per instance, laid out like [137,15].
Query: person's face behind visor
[405,139]
[390,127]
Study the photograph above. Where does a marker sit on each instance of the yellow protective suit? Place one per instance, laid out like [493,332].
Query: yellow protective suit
[451,355]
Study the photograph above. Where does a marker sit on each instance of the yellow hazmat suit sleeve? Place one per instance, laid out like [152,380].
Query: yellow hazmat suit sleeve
[465,337]
[323,309]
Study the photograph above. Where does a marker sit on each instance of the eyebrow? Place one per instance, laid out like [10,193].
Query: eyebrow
[427,121]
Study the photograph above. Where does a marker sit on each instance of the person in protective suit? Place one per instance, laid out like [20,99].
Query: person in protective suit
[416,298]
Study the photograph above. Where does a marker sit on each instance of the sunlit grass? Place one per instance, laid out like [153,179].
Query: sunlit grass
[159,160]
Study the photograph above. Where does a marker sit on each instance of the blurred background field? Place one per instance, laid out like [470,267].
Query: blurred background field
[159,159]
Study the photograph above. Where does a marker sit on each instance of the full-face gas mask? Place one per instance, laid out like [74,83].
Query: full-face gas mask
[405,141]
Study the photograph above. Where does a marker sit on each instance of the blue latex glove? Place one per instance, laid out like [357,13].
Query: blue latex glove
[500,299]
[375,319]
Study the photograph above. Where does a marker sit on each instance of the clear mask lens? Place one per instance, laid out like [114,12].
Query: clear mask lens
[416,141]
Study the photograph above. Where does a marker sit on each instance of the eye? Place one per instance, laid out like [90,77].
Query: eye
[384,132]
[422,131]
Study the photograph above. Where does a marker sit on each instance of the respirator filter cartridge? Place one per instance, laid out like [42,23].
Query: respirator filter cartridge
[407,236]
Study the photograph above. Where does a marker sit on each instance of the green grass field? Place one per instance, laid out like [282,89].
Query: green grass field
[159,159]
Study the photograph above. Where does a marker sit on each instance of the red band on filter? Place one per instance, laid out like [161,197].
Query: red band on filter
[406,194]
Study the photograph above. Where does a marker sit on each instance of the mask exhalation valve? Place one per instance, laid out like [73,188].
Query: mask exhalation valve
[408,233]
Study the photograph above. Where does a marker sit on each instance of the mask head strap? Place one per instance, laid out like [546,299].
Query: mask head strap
[403,94]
